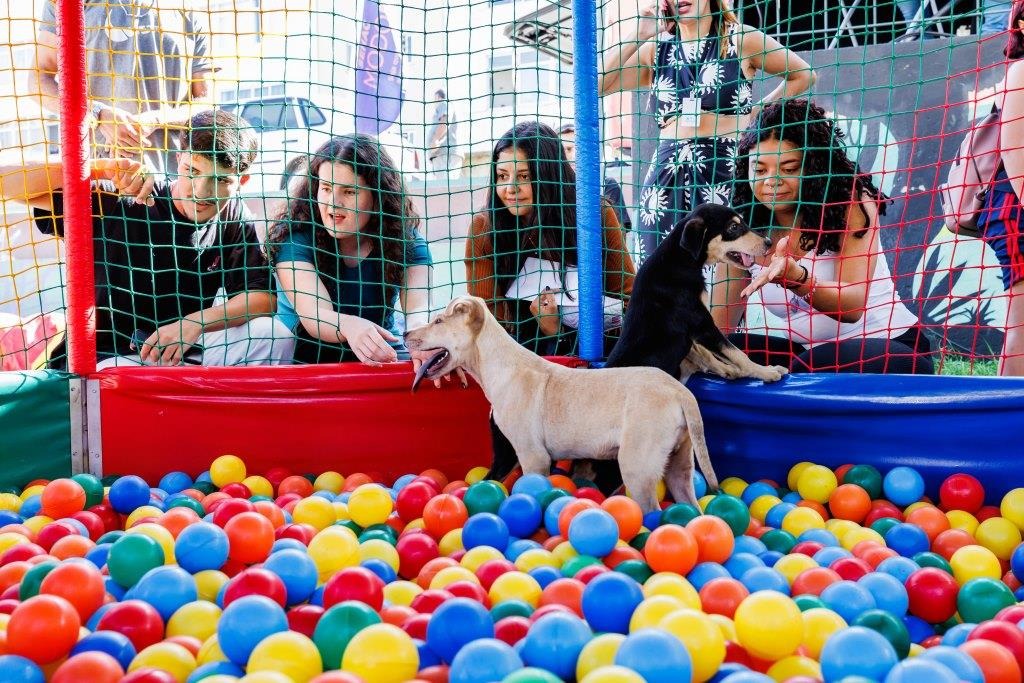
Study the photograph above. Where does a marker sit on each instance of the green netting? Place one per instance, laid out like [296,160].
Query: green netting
[460,99]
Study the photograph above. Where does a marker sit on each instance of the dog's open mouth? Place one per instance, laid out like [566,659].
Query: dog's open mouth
[432,367]
[742,259]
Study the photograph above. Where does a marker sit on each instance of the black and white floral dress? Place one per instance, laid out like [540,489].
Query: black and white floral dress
[686,173]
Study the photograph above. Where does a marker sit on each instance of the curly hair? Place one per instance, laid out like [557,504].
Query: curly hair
[829,178]
[391,227]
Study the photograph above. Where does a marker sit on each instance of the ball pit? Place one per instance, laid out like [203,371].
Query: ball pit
[275,576]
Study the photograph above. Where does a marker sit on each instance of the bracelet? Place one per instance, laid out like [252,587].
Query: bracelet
[796,284]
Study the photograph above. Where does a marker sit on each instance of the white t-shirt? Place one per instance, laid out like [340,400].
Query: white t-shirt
[536,274]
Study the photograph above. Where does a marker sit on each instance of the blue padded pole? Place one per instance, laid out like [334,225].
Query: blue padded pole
[588,180]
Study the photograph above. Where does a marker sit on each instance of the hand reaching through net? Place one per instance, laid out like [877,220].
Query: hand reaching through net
[782,269]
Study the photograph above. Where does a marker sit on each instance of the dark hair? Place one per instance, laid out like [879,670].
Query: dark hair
[1015,37]
[553,219]
[223,137]
[569,128]
[440,93]
[392,226]
[829,178]
[297,164]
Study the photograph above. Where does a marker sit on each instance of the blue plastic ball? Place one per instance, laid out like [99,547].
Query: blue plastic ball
[658,656]
[485,529]
[166,588]
[919,670]
[848,599]
[544,575]
[827,555]
[889,593]
[381,568]
[20,669]
[727,669]
[770,557]
[907,539]
[98,554]
[765,579]
[777,513]
[748,544]
[518,547]
[755,490]
[94,620]
[551,513]
[822,536]
[609,600]
[899,568]
[427,656]
[740,563]
[297,571]
[903,486]
[287,544]
[1017,562]
[917,628]
[8,517]
[652,519]
[455,624]
[555,641]
[704,572]
[483,661]
[128,493]
[521,513]
[960,663]
[958,634]
[31,506]
[201,546]
[115,644]
[245,623]
[533,485]
[857,651]
[214,669]
[592,532]
[748,677]
[700,485]
[175,482]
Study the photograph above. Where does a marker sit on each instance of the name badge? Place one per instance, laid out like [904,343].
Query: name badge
[689,112]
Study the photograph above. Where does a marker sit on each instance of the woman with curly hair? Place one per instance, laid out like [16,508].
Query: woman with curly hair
[699,63]
[827,283]
[345,252]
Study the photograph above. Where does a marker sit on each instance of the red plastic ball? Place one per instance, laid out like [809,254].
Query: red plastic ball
[20,553]
[396,615]
[237,490]
[92,522]
[80,583]
[44,628]
[850,568]
[961,492]
[413,498]
[588,573]
[303,533]
[53,532]
[808,548]
[95,667]
[813,581]
[1013,614]
[471,590]
[566,592]
[416,626]
[137,620]
[354,583]
[1004,633]
[932,594]
[998,665]
[304,618]
[414,551]
[590,493]
[299,485]
[429,600]
[722,596]
[250,537]
[548,609]
[256,581]
[489,571]
[149,674]
[951,540]
[444,513]
[511,629]
[226,509]
[987,512]
[62,498]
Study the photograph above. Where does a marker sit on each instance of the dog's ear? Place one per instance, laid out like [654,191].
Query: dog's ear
[692,239]
[473,310]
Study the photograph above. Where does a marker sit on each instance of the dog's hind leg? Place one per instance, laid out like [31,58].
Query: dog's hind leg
[679,473]
[643,453]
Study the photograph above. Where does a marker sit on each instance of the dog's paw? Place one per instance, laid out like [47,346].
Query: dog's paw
[773,373]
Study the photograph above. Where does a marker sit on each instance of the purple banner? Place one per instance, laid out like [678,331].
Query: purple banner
[378,73]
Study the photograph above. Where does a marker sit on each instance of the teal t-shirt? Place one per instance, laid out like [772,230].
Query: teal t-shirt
[355,290]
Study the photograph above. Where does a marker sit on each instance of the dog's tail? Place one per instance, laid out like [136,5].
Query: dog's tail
[695,424]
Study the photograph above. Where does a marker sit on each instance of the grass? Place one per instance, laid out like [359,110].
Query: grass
[955,364]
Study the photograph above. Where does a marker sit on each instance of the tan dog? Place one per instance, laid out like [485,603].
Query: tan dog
[641,416]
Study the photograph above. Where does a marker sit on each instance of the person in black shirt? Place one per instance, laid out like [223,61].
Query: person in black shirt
[180,274]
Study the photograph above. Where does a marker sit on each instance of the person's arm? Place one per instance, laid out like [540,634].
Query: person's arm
[619,271]
[768,55]
[727,307]
[35,184]
[178,116]
[1012,127]
[415,296]
[626,65]
[481,280]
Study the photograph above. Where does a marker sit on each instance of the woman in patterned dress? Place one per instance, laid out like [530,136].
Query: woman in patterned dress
[699,63]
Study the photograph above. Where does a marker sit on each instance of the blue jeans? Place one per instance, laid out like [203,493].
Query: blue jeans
[995,15]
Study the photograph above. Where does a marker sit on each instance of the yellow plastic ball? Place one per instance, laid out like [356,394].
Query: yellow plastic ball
[793,666]
[916,650]
[1011,507]
[35,524]
[562,553]
[209,582]
[9,539]
[315,511]
[768,624]
[476,475]
[597,653]
[702,638]
[761,505]
[817,483]
[841,527]
[159,534]
[227,469]
[370,504]
[451,542]
[672,585]
[265,677]
[379,549]
[210,652]
[650,612]
[4,618]
[289,653]
[417,523]
[9,501]
[819,624]
[475,557]
[401,592]
[381,653]
[140,513]
[794,474]
[855,536]
[999,535]
[704,501]
[450,575]
[333,549]
[613,674]
[974,561]
[515,586]
[964,521]
[734,486]
[197,619]
[791,566]
[537,557]
[329,481]
[32,491]
[798,520]
[915,506]
[259,486]
[726,626]
[340,511]
[171,657]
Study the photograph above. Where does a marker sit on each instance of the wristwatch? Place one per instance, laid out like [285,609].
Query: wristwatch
[97,107]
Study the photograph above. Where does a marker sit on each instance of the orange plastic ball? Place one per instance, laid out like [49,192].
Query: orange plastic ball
[932,520]
[62,498]
[722,596]
[626,513]
[851,502]
[250,537]
[444,513]
[997,663]
[715,541]
[671,548]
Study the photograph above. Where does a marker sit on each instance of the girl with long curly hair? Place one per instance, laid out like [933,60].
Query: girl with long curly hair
[827,284]
[346,251]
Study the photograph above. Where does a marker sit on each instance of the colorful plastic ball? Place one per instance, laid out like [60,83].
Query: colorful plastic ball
[79,583]
[957,634]
[443,513]
[554,643]
[62,498]
[593,532]
[848,599]
[1001,536]
[137,620]
[656,655]
[132,556]
[44,628]
[982,598]
[609,601]
[889,592]
[857,651]
[960,663]
[245,623]
[1006,634]
[296,571]
[597,653]
[484,660]
[920,670]
[819,624]
[167,589]
[169,657]
[764,578]
[613,674]
[370,504]
[486,529]
[250,537]
[196,619]
[903,486]
[769,625]
[227,469]
[522,514]
[1011,507]
[382,653]
[128,493]
[816,483]
[455,624]
[110,643]
[997,664]
[961,492]
[670,548]
[907,539]
[890,626]
[974,561]
[288,653]
[933,594]
[21,669]
[849,501]
[701,636]
[336,628]
[732,510]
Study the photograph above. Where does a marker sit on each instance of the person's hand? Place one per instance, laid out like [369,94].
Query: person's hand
[545,310]
[131,177]
[122,129]
[419,357]
[368,341]
[169,344]
[782,269]
[649,23]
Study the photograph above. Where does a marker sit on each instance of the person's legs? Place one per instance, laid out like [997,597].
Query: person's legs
[119,362]
[995,15]
[1012,361]
[905,355]
[260,341]
[766,350]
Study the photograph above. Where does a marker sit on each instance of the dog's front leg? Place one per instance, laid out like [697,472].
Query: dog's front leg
[721,357]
